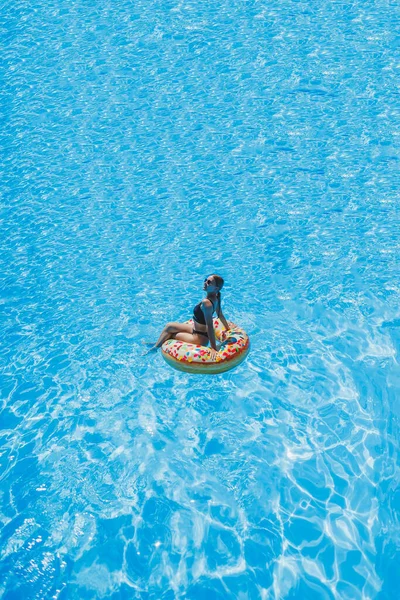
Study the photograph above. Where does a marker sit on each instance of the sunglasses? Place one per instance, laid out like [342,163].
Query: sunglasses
[208,281]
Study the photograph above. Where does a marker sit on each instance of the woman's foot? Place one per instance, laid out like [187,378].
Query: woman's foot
[152,349]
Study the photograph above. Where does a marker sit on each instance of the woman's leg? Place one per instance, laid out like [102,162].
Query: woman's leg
[170,331]
[199,340]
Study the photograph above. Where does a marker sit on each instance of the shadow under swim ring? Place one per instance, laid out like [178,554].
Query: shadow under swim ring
[235,345]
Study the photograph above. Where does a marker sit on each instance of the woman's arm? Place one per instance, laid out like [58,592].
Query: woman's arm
[211,332]
[223,320]
[208,314]
[221,316]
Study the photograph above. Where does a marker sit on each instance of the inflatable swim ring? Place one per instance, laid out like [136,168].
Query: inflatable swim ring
[235,345]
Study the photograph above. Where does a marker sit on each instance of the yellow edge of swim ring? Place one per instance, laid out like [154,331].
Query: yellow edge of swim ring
[197,359]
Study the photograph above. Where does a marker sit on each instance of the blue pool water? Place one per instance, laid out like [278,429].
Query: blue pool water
[145,145]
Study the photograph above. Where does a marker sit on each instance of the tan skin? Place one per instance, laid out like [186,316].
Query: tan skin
[184,331]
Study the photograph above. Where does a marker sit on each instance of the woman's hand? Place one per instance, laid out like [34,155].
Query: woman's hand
[213,353]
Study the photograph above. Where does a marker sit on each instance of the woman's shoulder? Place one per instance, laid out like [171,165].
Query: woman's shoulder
[206,303]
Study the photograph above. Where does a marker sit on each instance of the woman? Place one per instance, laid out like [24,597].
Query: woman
[203,330]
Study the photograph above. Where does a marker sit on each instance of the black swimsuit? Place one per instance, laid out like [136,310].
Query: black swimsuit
[198,317]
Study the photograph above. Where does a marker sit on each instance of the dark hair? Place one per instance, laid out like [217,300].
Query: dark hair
[219,281]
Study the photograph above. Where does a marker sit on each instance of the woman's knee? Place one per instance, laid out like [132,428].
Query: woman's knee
[175,327]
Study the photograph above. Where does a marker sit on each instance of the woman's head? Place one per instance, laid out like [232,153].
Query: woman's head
[213,284]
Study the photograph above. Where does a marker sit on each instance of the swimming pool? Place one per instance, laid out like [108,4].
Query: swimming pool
[146,145]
